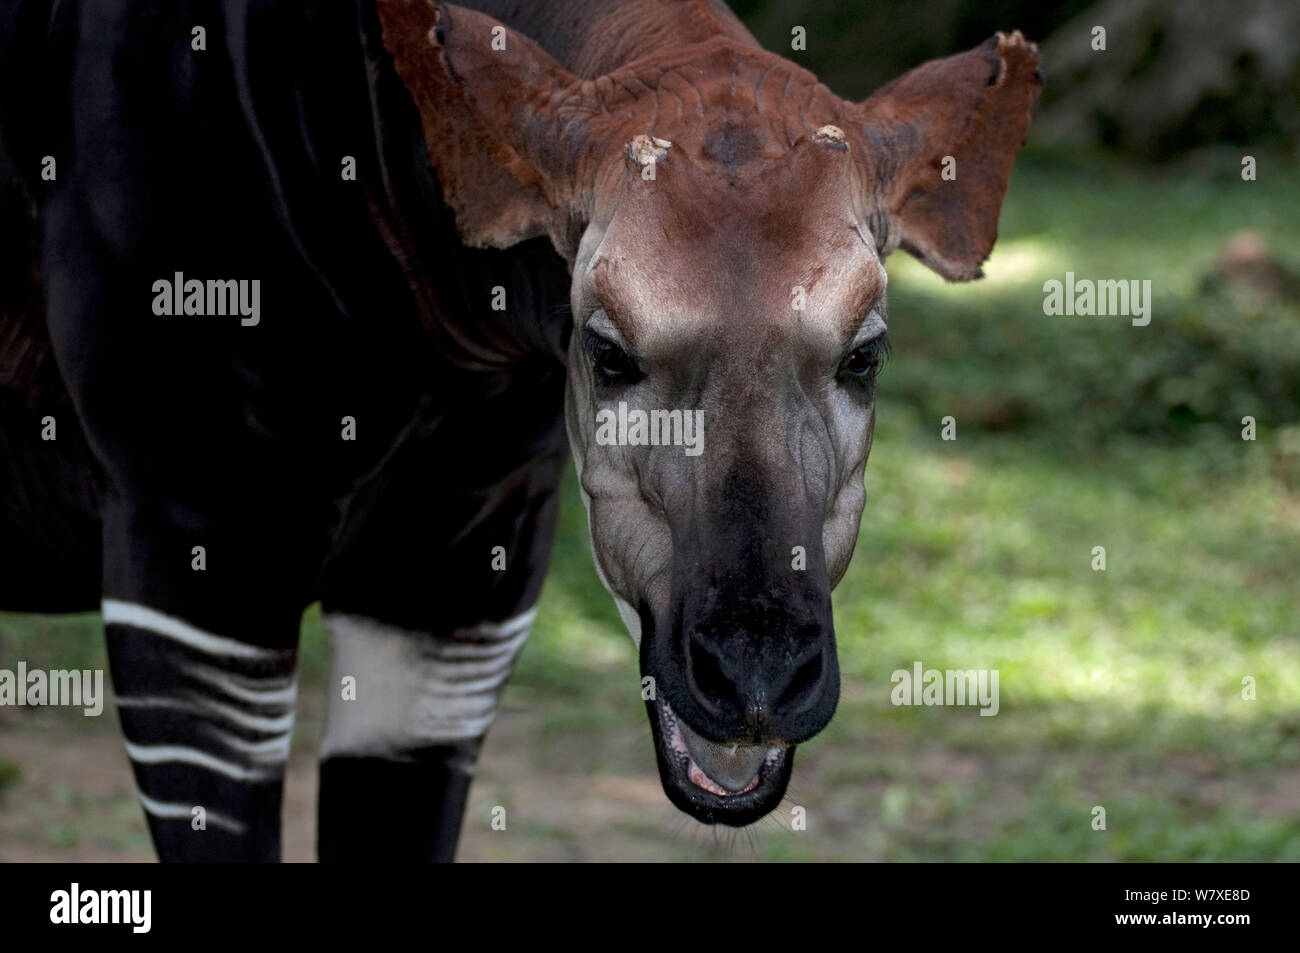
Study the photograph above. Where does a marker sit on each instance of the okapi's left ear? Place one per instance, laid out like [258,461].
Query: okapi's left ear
[496,111]
[941,142]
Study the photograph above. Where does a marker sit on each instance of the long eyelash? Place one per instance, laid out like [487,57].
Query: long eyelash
[877,350]
[880,350]
[595,345]
[600,349]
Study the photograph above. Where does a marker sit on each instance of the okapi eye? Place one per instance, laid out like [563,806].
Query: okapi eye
[859,363]
[614,367]
[866,360]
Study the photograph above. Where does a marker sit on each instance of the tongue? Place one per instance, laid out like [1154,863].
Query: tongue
[732,767]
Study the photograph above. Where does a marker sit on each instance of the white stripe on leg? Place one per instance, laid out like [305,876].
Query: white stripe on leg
[173,812]
[210,703]
[149,620]
[183,754]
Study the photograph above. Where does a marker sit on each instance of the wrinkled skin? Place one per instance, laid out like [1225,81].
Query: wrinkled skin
[729,264]
[701,549]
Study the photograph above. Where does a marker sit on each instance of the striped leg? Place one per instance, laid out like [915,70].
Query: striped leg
[407,715]
[203,662]
[207,721]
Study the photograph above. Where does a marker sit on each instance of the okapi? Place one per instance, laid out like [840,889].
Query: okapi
[199,301]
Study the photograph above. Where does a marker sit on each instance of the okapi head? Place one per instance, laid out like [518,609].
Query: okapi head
[725,218]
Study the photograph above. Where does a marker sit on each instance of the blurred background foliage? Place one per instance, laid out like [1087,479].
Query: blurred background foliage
[1120,689]
[1132,170]
[1176,75]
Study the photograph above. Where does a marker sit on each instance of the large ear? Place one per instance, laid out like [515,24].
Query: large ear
[974,108]
[497,114]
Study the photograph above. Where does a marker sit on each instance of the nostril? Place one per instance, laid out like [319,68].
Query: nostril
[803,686]
[710,686]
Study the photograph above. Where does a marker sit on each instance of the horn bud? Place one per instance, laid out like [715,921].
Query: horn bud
[644,150]
[832,136]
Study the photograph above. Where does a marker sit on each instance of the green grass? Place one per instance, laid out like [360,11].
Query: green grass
[1120,689]
[985,353]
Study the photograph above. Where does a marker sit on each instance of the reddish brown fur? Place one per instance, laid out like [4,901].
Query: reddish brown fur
[524,146]
[725,217]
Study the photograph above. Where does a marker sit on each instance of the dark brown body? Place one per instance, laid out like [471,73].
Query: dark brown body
[650,189]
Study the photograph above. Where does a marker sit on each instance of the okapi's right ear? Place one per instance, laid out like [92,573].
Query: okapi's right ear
[490,103]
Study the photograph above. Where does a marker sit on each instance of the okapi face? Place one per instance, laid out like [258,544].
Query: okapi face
[725,218]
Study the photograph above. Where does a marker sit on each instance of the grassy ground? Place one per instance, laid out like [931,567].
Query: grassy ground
[1120,689]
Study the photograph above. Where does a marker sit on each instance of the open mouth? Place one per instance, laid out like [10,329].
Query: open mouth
[732,784]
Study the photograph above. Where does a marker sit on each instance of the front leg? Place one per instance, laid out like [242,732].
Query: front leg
[400,751]
[436,547]
[211,546]
[203,668]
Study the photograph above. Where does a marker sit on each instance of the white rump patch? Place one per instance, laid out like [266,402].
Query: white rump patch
[415,689]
